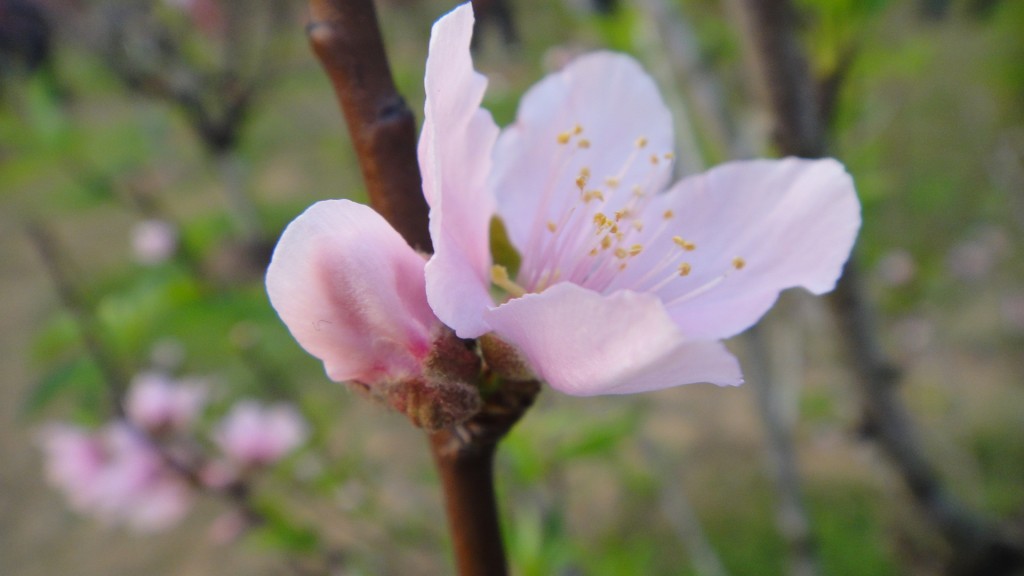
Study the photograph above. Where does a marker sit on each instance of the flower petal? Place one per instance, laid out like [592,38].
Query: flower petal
[586,344]
[538,159]
[455,158]
[759,227]
[351,292]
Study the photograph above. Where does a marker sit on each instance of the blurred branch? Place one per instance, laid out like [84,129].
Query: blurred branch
[346,38]
[679,512]
[74,302]
[789,90]
[791,513]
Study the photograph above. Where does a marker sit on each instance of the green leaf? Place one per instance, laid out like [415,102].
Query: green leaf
[502,250]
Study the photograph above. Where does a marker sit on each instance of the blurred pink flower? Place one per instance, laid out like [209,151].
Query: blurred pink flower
[622,287]
[253,435]
[115,475]
[159,403]
[154,241]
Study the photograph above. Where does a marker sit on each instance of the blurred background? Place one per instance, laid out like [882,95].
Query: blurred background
[152,151]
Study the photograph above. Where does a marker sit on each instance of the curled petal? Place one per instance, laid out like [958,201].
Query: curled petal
[351,292]
[455,158]
[584,344]
[758,227]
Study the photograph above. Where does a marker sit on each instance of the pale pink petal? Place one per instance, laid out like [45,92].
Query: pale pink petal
[455,158]
[617,106]
[351,292]
[583,343]
[757,228]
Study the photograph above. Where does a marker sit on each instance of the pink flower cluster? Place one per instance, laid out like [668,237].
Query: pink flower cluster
[142,472]
[624,281]
[116,475]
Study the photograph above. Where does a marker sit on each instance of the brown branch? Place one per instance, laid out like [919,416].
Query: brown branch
[346,38]
[464,456]
[789,89]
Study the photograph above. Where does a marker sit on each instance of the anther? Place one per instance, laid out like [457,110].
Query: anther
[635,250]
[583,143]
[577,129]
[668,155]
[684,269]
[611,181]
[738,263]
[551,226]
[668,215]
[641,142]
[563,138]
[654,158]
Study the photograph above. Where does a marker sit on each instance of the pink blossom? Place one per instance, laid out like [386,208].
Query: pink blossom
[159,403]
[626,284]
[115,475]
[254,435]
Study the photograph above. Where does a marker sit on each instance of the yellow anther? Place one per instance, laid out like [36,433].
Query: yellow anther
[593,251]
[621,253]
[606,242]
[577,129]
[585,172]
[601,220]
[668,215]
[684,269]
[622,266]
[738,263]
[583,143]
[635,250]
[684,244]
[618,235]
[638,225]
[668,155]
[563,138]
[583,178]
[641,142]
[614,229]
[654,158]
[588,196]
[620,214]
[499,276]
[637,191]
[552,226]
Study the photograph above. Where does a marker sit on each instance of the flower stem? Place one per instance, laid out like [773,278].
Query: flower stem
[467,478]
[464,456]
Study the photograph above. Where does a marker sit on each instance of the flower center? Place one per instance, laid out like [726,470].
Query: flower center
[608,232]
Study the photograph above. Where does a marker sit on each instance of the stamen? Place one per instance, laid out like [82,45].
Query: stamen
[611,181]
[583,143]
[499,277]
[641,142]
[685,269]
[654,158]
[552,227]
[668,155]
[738,263]
[635,250]
[668,215]
[577,130]
[563,138]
